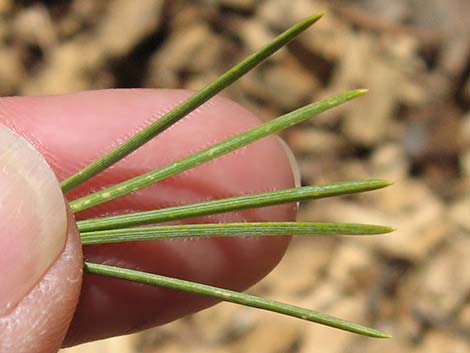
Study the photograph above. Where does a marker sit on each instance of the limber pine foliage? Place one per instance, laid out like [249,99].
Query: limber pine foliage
[128,227]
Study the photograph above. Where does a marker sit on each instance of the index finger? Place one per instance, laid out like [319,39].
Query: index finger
[73,130]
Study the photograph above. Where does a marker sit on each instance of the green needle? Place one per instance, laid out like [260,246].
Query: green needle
[229,230]
[214,151]
[230,204]
[231,296]
[187,106]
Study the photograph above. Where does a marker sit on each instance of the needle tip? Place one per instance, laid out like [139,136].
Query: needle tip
[376,333]
[379,183]
[314,18]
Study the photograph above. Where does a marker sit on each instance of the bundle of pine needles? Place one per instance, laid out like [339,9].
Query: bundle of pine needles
[129,227]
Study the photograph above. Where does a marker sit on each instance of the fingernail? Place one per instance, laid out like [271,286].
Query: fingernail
[32,218]
[293,162]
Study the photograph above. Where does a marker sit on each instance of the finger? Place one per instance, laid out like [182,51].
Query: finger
[40,254]
[73,130]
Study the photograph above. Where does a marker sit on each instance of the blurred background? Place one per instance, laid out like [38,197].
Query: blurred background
[412,128]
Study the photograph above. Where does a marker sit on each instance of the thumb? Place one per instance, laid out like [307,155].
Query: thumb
[40,255]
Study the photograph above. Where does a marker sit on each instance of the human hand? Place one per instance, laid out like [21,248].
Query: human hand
[40,253]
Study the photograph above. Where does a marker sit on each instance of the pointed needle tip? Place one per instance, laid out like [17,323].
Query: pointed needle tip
[362,91]
[380,183]
[380,230]
[377,334]
[314,18]
[386,229]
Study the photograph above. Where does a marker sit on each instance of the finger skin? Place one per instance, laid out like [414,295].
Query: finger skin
[39,322]
[73,130]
